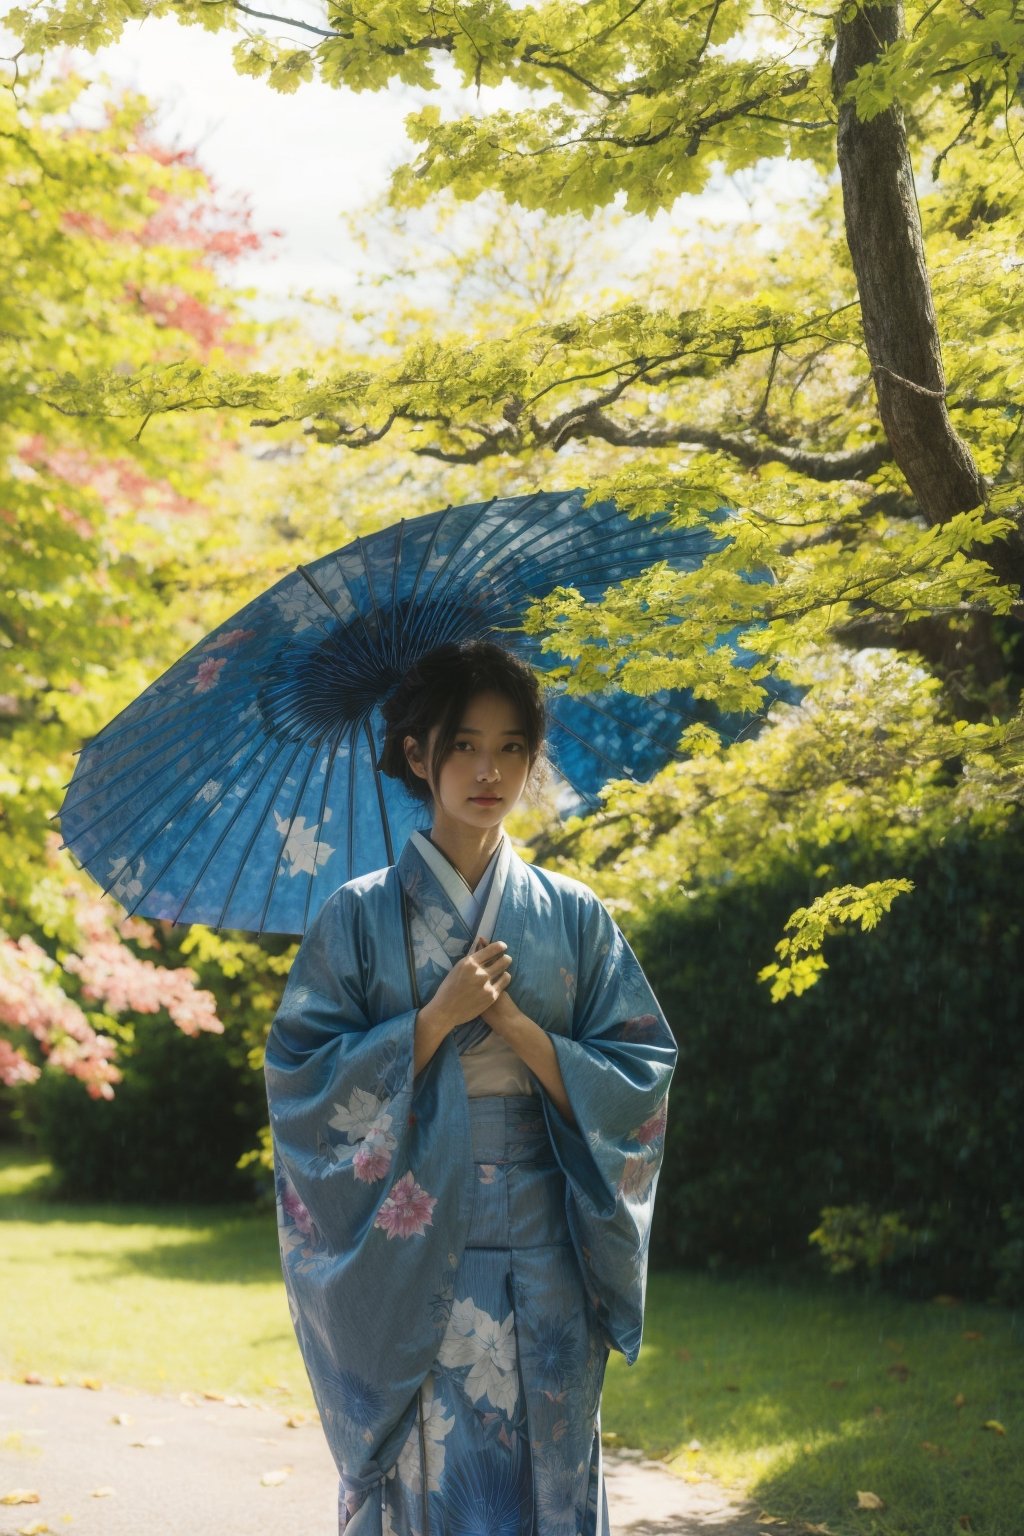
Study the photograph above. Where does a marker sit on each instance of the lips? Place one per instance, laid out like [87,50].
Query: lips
[485,799]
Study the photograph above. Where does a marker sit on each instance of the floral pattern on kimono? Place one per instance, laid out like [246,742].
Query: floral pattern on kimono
[375,1183]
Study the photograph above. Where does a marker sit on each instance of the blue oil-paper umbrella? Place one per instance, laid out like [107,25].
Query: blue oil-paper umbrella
[241,788]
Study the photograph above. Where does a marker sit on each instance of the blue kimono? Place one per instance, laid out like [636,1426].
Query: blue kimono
[459,1267]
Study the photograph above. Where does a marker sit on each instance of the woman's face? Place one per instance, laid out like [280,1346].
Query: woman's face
[485,772]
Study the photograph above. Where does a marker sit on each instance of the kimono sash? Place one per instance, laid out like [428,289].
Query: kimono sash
[373,1167]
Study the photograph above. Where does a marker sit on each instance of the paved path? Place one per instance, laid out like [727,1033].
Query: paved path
[200,1467]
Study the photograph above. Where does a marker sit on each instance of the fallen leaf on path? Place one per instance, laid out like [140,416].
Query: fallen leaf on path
[869,1501]
[102,1493]
[995,1426]
[694,1446]
[815,1530]
[272,1479]
[144,1444]
[769,1520]
[121,1418]
[37,1528]
[959,1400]
[214,1397]
[20,1496]
[32,1379]
[187,1400]
[91,1383]
[296,1420]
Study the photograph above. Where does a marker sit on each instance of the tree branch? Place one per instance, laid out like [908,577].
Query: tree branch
[588,421]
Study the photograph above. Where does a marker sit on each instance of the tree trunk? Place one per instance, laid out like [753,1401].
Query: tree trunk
[883,230]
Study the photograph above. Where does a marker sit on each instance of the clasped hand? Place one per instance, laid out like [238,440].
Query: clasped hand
[475,988]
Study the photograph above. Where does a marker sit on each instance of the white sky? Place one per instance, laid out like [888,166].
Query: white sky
[301,159]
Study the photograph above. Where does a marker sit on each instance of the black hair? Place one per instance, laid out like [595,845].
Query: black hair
[435,692]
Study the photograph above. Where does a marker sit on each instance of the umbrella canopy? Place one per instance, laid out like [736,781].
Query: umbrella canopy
[241,788]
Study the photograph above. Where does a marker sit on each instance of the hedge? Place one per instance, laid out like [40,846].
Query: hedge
[890,1094]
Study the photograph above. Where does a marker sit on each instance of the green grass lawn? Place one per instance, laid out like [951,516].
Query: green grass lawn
[799,1394]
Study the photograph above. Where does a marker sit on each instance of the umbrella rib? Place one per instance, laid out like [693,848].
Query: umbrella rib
[369,588]
[648,552]
[515,528]
[214,711]
[645,555]
[394,592]
[111,784]
[215,702]
[111,730]
[465,574]
[182,804]
[346,624]
[109,734]
[653,534]
[240,863]
[515,582]
[320,826]
[587,700]
[382,807]
[424,605]
[584,794]
[239,808]
[351,801]
[594,751]
[425,561]
[565,532]
[570,523]
[206,644]
[297,801]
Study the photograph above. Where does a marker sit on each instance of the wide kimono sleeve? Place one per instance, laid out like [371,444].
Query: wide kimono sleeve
[368,1208]
[616,1065]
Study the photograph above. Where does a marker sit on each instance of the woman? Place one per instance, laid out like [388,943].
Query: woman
[468,1079]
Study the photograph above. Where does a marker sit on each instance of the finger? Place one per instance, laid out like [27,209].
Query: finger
[492,948]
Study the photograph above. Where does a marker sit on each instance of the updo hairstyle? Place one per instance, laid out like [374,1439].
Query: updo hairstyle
[436,690]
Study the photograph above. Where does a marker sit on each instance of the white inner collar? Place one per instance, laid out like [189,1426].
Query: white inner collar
[478,907]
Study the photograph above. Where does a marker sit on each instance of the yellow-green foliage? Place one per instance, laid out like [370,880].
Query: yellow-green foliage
[726,375]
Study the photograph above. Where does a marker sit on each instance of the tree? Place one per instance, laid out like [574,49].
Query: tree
[854,398]
[111,245]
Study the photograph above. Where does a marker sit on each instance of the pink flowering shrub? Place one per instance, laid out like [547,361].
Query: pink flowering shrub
[33,999]
[110,973]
